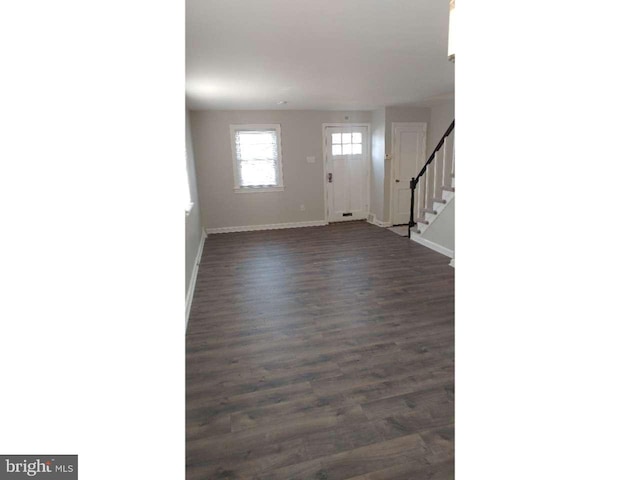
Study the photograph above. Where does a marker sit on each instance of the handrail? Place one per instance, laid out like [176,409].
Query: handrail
[414,180]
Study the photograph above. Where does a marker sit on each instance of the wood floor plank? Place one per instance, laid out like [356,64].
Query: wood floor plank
[411,471]
[408,403]
[320,353]
[409,449]
[278,431]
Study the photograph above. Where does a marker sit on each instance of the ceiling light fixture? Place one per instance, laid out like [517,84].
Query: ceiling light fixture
[282,102]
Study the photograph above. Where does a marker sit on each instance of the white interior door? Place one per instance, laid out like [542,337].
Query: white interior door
[409,144]
[347,172]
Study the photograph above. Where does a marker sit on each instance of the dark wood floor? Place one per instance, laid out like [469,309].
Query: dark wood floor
[320,353]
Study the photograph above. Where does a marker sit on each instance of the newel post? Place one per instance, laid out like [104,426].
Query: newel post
[413,191]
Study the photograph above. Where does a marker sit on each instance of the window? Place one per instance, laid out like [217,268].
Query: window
[186,188]
[257,159]
[346,143]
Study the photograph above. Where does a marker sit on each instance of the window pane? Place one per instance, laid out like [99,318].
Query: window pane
[257,173]
[357,137]
[256,137]
[256,152]
[335,138]
[346,138]
[253,145]
[187,187]
[357,148]
[346,149]
[336,149]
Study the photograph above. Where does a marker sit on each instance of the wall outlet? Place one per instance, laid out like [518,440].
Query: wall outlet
[302,208]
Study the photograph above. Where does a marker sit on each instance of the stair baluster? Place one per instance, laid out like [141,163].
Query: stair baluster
[439,168]
[448,160]
[431,189]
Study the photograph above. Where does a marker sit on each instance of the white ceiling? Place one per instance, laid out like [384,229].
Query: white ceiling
[322,54]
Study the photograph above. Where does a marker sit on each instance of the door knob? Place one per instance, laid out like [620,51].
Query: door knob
[397,181]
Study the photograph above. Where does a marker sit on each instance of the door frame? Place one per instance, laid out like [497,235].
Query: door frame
[393,163]
[325,159]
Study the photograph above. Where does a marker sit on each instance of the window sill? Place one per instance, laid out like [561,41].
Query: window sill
[258,189]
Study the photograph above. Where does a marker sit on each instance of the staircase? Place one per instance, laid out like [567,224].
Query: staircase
[433,198]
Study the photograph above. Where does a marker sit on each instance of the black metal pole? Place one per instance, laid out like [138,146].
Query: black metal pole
[413,189]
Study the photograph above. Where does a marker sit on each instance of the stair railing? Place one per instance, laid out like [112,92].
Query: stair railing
[439,175]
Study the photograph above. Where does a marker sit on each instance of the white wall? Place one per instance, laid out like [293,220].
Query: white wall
[442,230]
[377,163]
[301,132]
[441,117]
[220,206]
[193,225]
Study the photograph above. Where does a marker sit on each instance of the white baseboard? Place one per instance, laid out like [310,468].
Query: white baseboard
[432,245]
[374,221]
[192,282]
[273,226]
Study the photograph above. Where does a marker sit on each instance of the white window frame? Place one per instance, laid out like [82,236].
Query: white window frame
[189,206]
[236,174]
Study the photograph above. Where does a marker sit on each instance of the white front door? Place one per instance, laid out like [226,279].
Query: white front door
[409,144]
[347,170]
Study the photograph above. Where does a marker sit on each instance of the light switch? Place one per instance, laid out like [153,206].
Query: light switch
[311,159]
